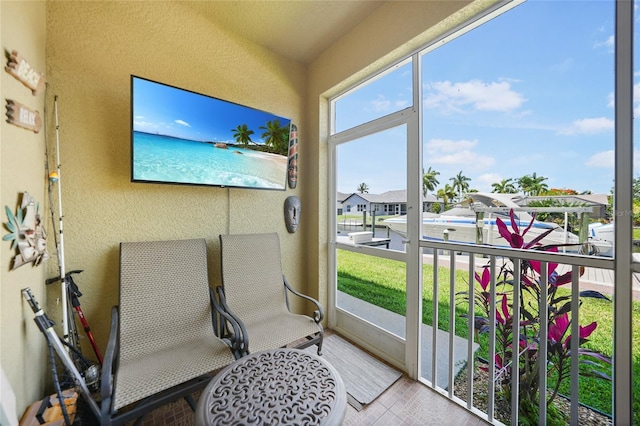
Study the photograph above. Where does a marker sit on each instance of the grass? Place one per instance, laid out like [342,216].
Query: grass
[382,282]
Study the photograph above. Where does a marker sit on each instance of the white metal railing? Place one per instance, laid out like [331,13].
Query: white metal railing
[516,256]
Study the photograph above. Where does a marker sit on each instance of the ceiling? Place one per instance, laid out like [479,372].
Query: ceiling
[300,30]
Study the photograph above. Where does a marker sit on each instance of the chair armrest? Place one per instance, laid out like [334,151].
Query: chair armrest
[318,314]
[109,365]
[241,336]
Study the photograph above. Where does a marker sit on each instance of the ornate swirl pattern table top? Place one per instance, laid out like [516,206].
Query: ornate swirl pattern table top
[276,387]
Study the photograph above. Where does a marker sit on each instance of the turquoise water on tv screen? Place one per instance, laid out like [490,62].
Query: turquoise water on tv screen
[158,158]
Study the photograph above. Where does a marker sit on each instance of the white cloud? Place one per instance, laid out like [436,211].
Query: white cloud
[609,43]
[435,146]
[448,152]
[601,159]
[382,104]
[182,123]
[484,181]
[476,94]
[589,126]
[606,159]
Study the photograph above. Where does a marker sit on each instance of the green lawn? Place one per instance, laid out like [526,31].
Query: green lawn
[381,282]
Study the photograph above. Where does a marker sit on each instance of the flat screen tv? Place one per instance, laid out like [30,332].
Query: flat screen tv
[182,137]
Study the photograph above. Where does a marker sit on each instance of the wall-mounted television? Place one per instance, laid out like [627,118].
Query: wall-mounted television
[183,137]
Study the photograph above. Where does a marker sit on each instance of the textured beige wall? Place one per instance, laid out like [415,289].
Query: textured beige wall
[22,346]
[394,31]
[92,49]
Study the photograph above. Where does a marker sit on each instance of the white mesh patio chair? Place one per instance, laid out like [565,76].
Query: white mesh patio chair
[255,292]
[162,344]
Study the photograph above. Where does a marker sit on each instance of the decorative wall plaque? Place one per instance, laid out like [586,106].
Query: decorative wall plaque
[26,233]
[21,70]
[292,165]
[21,116]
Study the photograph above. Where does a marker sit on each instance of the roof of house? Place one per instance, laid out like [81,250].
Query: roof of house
[395,196]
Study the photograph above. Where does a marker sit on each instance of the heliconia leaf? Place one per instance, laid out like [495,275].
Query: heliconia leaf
[594,294]
[505,308]
[587,330]
[595,355]
[503,230]
[596,374]
[484,279]
[538,238]
[514,224]
[590,362]
[517,241]
[564,309]
[533,218]
[559,299]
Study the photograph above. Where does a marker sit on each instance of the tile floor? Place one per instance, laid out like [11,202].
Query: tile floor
[406,402]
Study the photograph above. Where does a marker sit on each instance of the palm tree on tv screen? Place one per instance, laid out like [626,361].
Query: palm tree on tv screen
[276,137]
[242,134]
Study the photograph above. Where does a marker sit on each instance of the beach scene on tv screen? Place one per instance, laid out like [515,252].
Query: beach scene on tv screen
[183,137]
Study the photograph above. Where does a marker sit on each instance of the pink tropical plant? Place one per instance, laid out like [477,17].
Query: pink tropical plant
[524,361]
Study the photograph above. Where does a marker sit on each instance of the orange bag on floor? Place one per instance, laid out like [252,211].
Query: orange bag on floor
[48,412]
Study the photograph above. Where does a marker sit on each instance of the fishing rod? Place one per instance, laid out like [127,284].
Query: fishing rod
[74,295]
[60,242]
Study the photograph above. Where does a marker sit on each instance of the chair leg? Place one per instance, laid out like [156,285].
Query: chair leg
[192,402]
[139,420]
[320,340]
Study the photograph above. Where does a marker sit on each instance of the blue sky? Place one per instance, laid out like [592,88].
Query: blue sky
[531,91]
[159,108]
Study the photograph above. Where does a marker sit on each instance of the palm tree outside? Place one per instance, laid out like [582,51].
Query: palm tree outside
[363,188]
[446,194]
[505,186]
[429,181]
[460,183]
[532,184]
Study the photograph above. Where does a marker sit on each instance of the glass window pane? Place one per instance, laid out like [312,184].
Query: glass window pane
[516,106]
[373,289]
[388,93]
[371,181]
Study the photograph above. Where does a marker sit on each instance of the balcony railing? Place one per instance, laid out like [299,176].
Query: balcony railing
[513,289]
